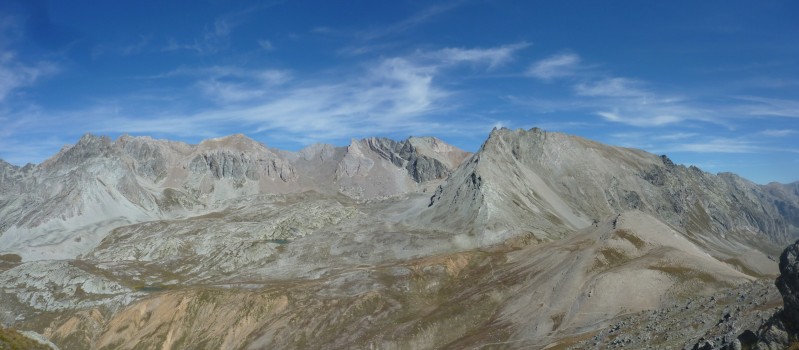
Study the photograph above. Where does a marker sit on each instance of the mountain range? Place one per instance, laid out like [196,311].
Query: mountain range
[538,240]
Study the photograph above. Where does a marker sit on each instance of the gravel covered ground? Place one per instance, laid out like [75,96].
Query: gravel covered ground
[713,320]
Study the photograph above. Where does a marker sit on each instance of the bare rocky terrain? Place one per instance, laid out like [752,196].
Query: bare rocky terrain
[538,240]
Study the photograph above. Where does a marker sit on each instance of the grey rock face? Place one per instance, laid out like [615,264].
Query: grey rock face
[786,198]
[403,154]
[774,334]
[595,180]
[89,147]
[238,157]
[380,167]
[788,283]
[150,161]
[98,181]
[781,331]
[224,165]
[317,151]
[9,175]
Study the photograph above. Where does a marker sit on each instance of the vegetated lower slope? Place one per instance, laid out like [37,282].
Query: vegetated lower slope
[536,239]
[526,297]
[11,339]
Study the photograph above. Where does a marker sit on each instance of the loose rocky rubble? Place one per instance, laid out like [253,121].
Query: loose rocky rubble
[746,317]
[707,322]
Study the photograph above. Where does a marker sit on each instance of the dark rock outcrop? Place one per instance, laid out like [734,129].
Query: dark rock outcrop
[788,283]
[781,331]
[403,154]
[228,165]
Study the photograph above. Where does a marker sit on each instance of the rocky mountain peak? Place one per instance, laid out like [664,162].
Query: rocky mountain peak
[8,175]
[424,159]
[239,157]
[93,142]
[526,145]
[6,166]
[579,180]
[437,149]
[238,142]
[124,138]
[149,155]
[89,138]
[379,167]
[504,133]
[320,151]
[89,148]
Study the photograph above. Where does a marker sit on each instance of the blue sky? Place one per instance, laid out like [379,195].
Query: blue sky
[711,83]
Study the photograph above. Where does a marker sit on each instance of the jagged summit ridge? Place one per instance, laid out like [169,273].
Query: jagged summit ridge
[520,182]
[380,167]
[567,182]
[98,181]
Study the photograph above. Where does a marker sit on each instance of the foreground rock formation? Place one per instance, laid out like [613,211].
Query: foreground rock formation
[537,240]
[781,331]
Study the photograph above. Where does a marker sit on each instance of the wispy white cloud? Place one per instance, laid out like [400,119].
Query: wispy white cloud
[674,136]
[136,47]
[391,96]
[557,66]
[492,57]
[653,120]
[225,92]
[763,106]
[15,74]
[693,142]
[27,152]
[266,45]
[270,76]
[230,84]
[227,84]
[763,82]
[403,82]
[615,99]
[215,36]
[411,22]
[358,50]
[611,87]
[718,145]
[624,107]
[778,133]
